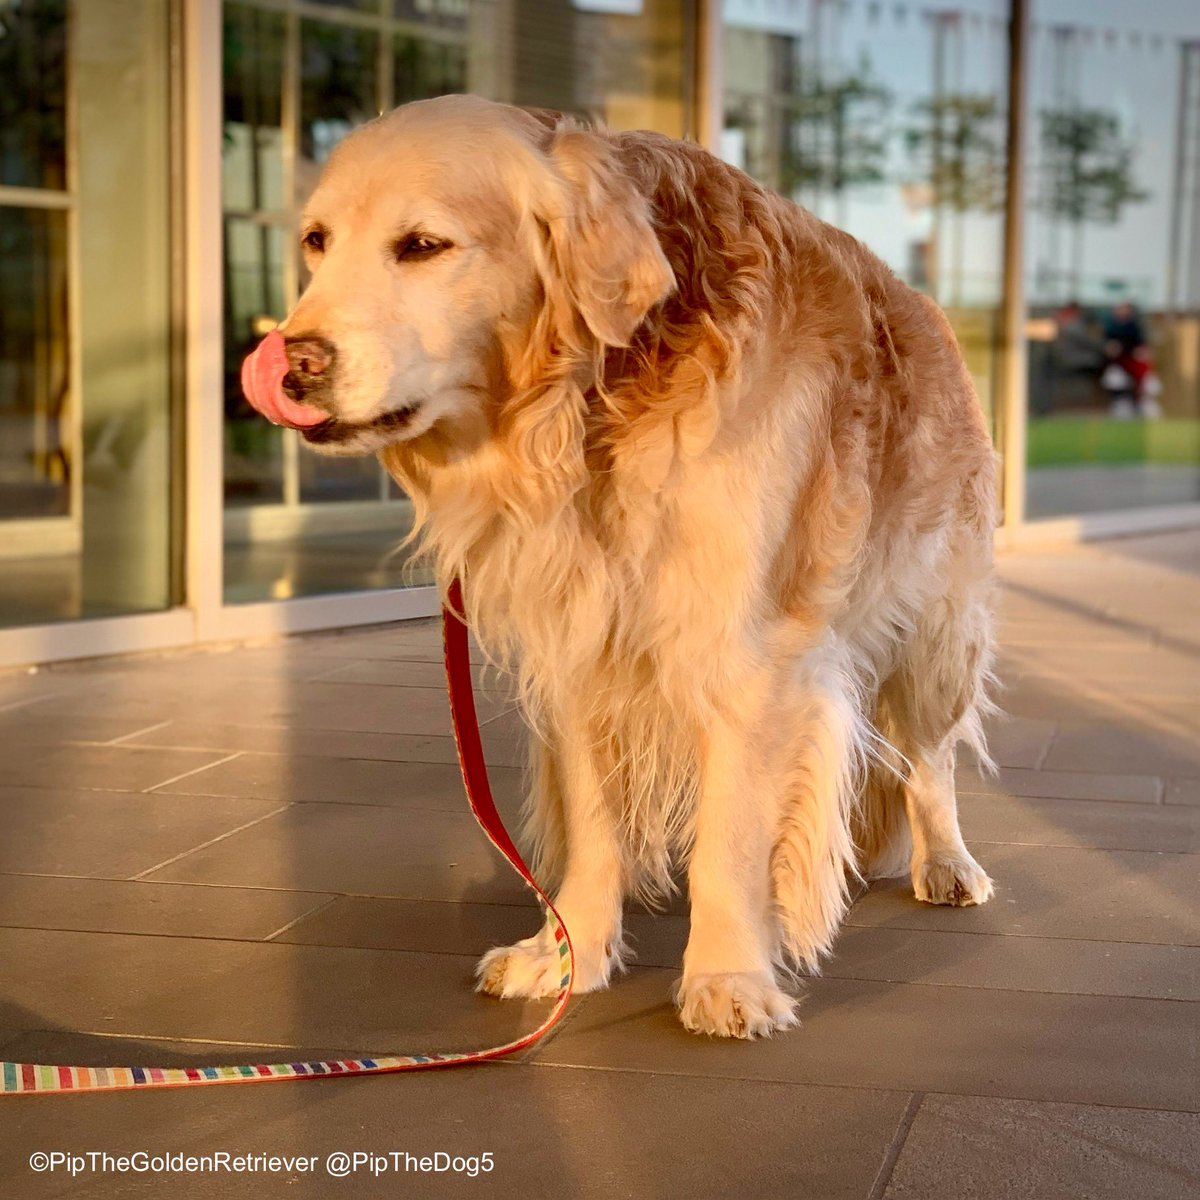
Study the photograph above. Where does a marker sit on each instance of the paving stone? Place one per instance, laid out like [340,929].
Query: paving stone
[1132,669]
[1181,791]
[54,831]
[1017,741]
[1060,892]
[304,777]
[428,926]
[224,738]
[1027,964]
[912,1037]
[301,705]
[359,849]
[108,768]
[1136,749]
[409,673]
[32,725]
[984,1149]
[121,906]
[1024,693]
[1101,825]
[1061,785]
[22,687]
[654,939]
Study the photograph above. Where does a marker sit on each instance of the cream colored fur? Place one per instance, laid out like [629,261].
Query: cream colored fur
[720,494]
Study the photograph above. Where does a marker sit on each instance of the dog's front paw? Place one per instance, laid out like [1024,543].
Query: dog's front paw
[957,880]
[534,968]
[744,1005]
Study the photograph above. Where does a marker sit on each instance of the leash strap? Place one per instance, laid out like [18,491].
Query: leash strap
[26,1078]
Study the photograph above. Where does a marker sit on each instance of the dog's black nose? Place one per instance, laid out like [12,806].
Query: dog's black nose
[310,356]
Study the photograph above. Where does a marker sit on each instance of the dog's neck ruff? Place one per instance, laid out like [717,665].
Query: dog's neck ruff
[39,1078]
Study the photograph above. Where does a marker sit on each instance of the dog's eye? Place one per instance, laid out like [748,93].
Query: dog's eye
[314,240]
[419,245]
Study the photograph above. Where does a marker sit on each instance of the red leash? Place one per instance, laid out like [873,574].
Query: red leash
[40,1078]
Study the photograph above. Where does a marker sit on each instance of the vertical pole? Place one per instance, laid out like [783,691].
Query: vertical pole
[934,259]
[1175,235]
[204,372]
[290,118]
[710,73]
[1191,297]
[1012,383]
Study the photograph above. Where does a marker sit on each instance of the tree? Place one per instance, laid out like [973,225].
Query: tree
[956,146]
[834,133]
[1087,173]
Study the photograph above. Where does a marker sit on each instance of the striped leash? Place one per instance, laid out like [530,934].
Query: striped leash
[38,1078]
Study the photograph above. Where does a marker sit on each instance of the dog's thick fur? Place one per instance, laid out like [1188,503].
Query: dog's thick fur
[720,492]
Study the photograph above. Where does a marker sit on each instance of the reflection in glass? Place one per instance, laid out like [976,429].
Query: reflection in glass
[35,438]
[255,301]
[427,68]
[33,96]
[337,88]
[252,153]
[1113,257]
[887,121]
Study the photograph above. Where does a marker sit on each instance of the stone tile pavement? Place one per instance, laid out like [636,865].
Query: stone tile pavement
[264,852]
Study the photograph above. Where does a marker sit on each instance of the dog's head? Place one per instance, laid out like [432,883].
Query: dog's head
[462,253]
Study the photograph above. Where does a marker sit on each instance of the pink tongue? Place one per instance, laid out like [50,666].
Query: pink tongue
[262,381]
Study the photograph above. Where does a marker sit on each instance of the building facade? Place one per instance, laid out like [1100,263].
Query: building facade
[1034,165]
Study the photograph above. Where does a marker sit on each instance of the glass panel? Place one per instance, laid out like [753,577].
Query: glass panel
[33,98]
[85,331]
[35,435]
[338,90]
[1113,256]
[254,303]
[252,168]
[623,61]
[435,12]
[427,68]
[888,121]
[364,6]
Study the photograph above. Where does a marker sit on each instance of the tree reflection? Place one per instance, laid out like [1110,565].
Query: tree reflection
[1087,175]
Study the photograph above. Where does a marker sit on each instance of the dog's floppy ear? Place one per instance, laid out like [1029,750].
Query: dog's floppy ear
[602,248]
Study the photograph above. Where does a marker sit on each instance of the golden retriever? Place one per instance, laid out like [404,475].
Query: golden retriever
[720,493]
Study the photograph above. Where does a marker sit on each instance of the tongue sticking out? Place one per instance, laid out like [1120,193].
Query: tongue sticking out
[262,381]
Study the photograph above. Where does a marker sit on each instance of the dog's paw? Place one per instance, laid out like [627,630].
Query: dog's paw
[533,969]
[956,880]
[746,1005]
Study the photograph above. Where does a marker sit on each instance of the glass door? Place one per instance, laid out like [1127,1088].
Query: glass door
[85,310]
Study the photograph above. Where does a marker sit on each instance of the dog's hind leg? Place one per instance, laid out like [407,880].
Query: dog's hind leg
[943,871]
[937,698]
[577,829]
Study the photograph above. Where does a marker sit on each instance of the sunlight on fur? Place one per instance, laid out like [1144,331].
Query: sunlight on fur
[721,495]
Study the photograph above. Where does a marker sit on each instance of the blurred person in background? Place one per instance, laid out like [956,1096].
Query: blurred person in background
[1130,377]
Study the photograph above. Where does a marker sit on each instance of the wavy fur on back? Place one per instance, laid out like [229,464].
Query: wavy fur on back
[733,477]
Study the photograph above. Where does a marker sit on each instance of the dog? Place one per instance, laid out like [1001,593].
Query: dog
[721,495]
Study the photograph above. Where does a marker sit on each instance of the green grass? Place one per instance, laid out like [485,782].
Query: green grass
[1066,441]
